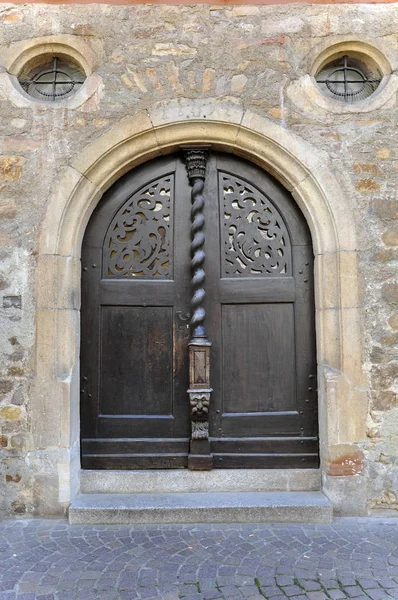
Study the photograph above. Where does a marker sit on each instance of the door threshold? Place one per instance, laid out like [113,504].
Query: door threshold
[217,507]
[183,481]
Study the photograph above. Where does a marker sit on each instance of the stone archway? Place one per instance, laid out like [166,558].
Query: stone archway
[301,169]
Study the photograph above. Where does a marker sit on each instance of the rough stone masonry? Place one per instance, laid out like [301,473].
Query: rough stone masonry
[246,56]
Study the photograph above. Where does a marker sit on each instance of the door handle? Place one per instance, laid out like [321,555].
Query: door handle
[182,322]
[182,317]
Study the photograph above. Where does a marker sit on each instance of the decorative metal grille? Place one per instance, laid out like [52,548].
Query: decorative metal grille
[53,80]
[347,80]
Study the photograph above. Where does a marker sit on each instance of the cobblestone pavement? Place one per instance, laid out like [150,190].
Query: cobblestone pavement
[51,560]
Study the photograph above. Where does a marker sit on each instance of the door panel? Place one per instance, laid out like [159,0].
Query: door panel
[143,386]
[135,286]
[259,358]
[260,319]
[263,413]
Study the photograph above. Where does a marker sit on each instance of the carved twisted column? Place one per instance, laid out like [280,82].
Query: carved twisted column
[199,390]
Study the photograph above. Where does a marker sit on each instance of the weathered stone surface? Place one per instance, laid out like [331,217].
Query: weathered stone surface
[370,168]
[390,293]
[284,25]
[12,302]
[384,375]
[18,397]
[216,507]
[12,16]
[345,460]
[238,83]
[384,400]
[10,168]
[393,321]
[386,209]
[239,64]
[367,186]
[218,480]
[347,559]
[10,413]
[13,478]
[5,386]
[383,153]
[17,441]
[390,237]
[8,209]
[245,11]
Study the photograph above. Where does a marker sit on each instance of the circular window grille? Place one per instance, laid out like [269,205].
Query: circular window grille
[53,79]
[347,79]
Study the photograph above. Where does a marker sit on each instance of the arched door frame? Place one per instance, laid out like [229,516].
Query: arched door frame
[304,171]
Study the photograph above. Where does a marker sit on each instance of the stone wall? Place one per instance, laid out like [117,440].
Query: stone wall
[253,58]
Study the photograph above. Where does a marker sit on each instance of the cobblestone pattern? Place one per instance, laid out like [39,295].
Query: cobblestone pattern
[51,560]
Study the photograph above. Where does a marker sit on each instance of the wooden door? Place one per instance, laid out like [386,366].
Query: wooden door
[261,321]
[135,294]
[260,318]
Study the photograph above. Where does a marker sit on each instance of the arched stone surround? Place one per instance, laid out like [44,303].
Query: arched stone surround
[343,404]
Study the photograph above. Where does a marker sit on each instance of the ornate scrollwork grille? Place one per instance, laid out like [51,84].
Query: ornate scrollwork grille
[255,240]
[139,240]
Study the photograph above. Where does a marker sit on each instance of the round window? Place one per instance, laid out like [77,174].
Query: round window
[52,79]
[347,79]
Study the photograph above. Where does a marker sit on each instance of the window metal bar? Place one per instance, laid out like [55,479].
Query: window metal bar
[332,82]
[52,82]
[345,77]
[55,78]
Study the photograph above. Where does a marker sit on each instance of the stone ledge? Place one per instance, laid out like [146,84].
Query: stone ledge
[218,507]
[183,481]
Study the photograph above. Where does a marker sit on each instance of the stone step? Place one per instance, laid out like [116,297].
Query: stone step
[217,507]
[182,481]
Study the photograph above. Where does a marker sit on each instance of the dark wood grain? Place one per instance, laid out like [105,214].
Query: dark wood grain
[260,318]
[261,323]
[259,357]
[133,337]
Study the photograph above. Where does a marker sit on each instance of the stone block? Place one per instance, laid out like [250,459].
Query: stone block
[290,24]
[11,168]
[5,386]
[367,186]
[18,53]
[226,110]
[390,293]
[393,321]
[12,302]
[171,138]
[8,209]
[70,184]
[238,83]
[344,460]
[58,282]
[184,481]
[45,493]
[347,494]
[249,507]
[12,16]
[120,138]
[385,208]
[10,413]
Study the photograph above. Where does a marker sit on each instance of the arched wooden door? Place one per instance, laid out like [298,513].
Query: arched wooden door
[260,317]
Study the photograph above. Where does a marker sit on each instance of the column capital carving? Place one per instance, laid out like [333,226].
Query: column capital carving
[195,161]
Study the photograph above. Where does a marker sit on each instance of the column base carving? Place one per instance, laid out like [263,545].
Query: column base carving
[200,462]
